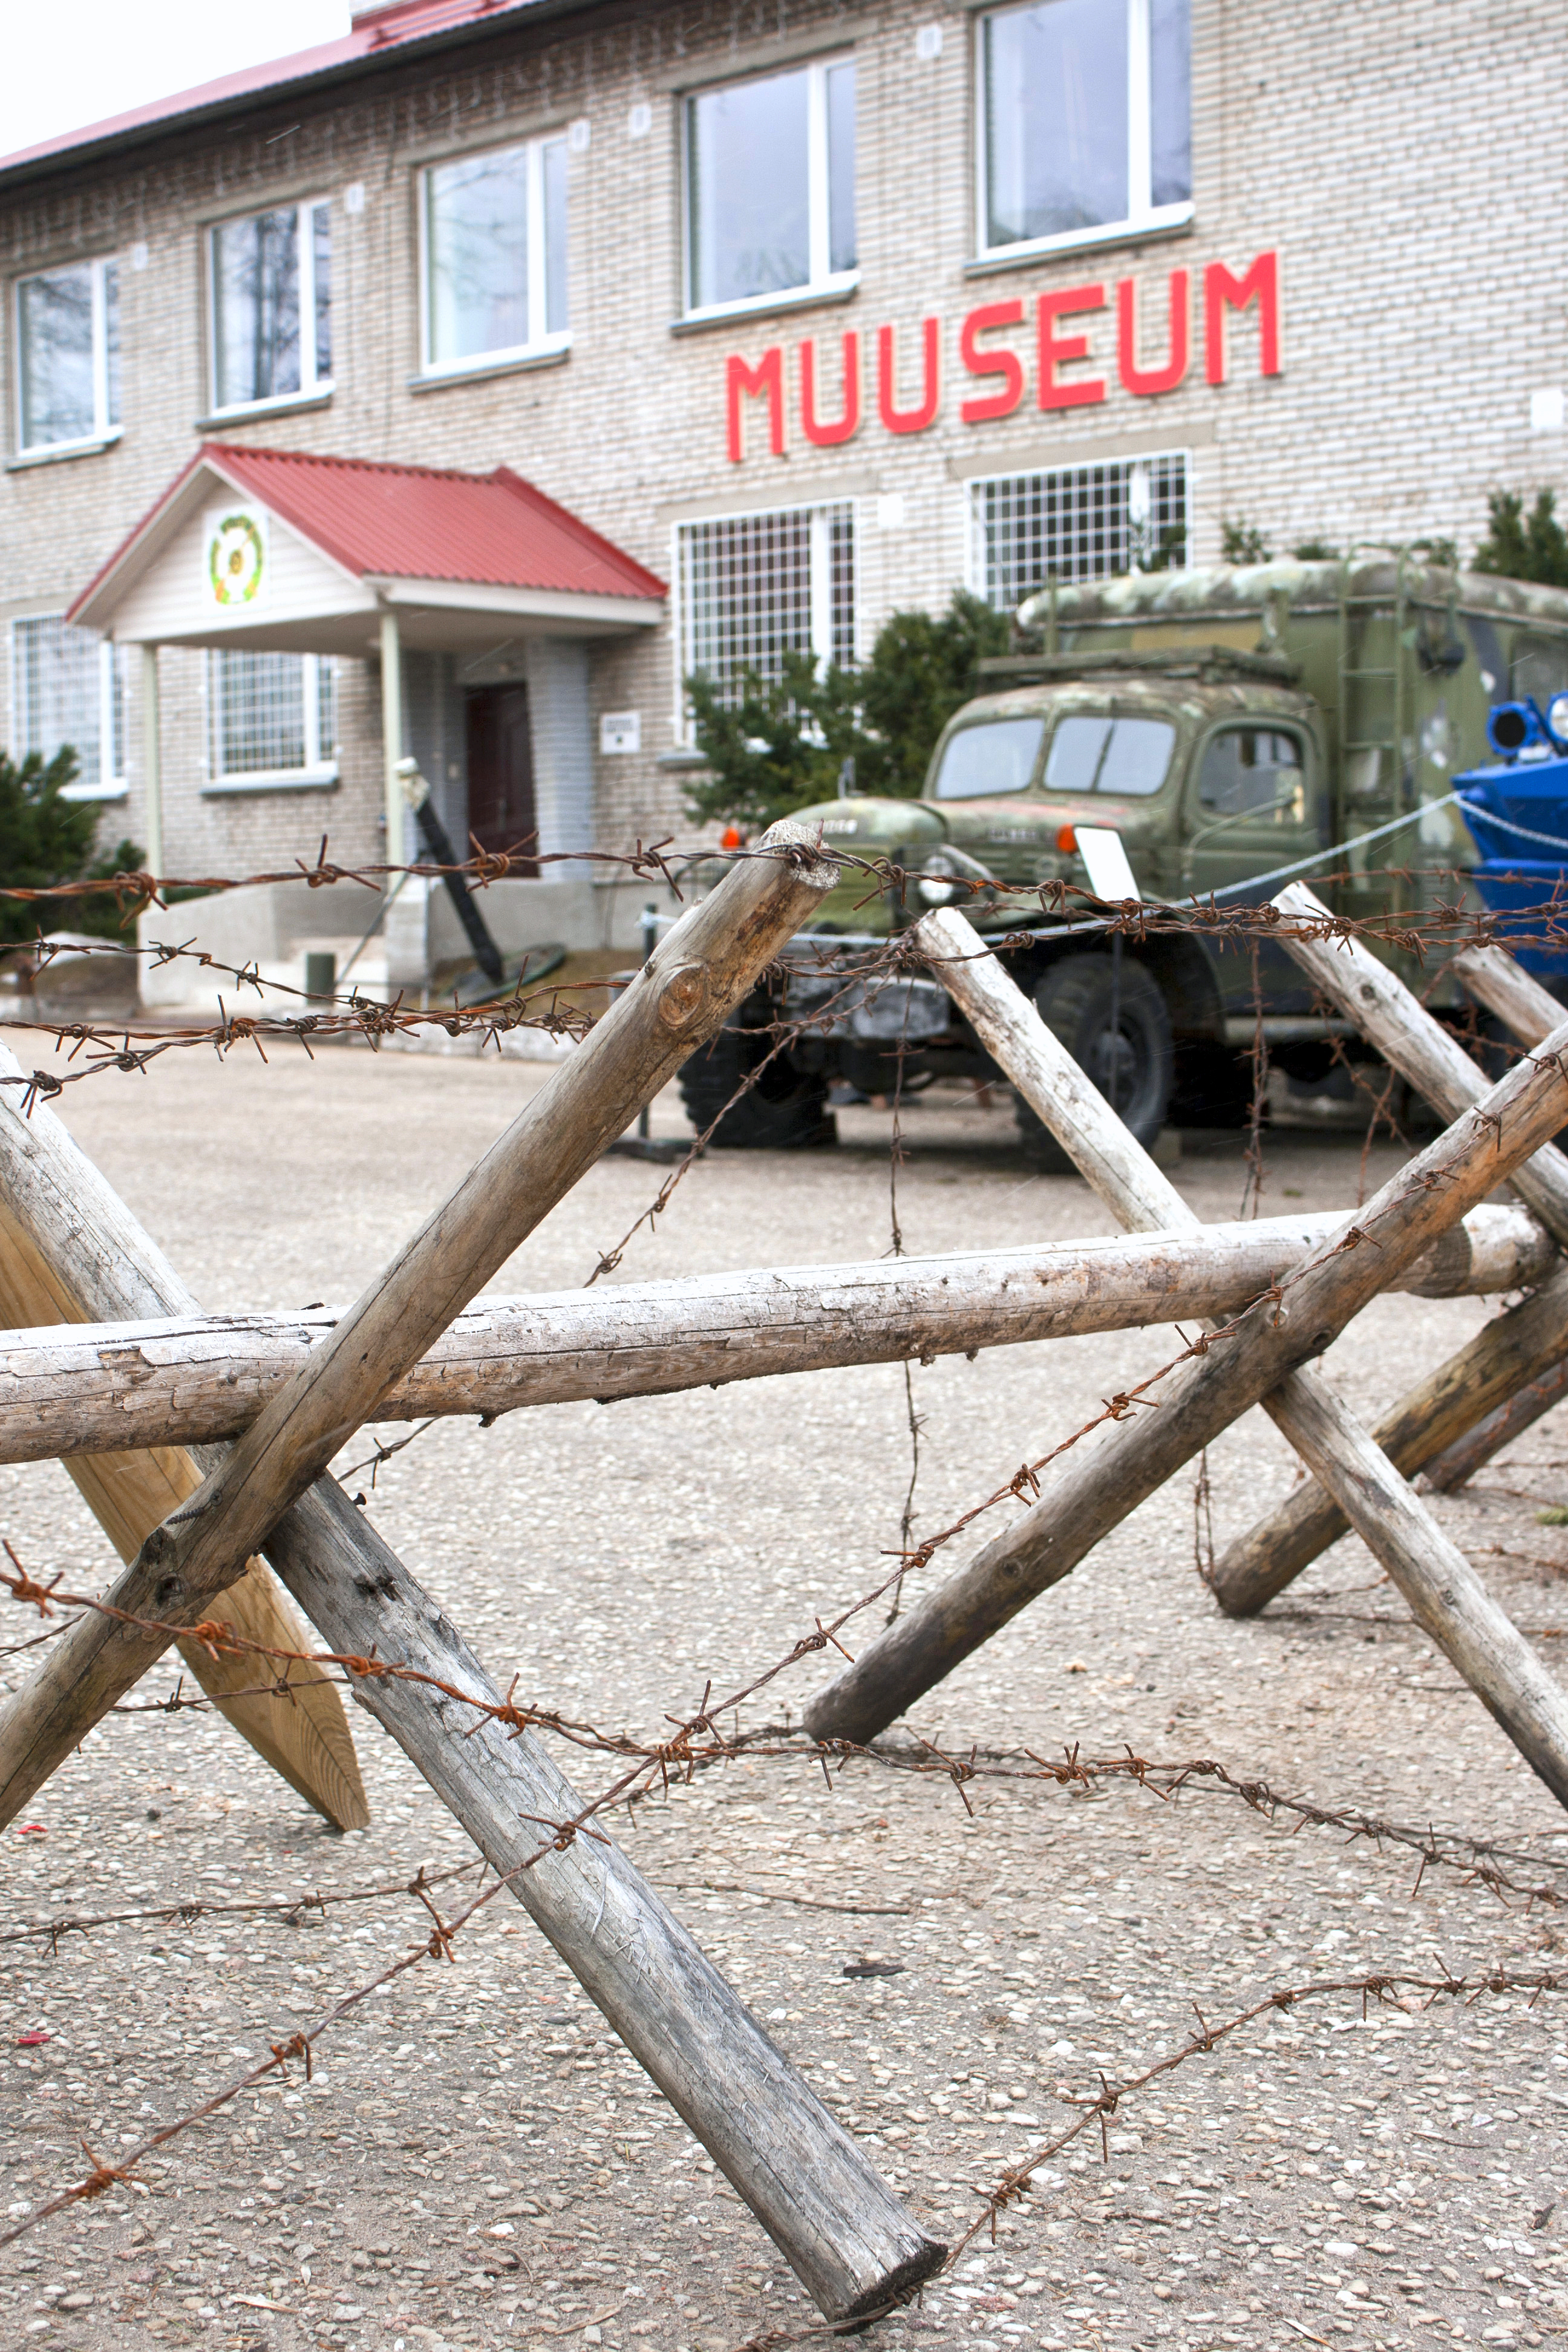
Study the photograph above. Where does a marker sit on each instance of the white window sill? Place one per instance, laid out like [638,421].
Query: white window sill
[684,755]
[275,779]
[318,396]
[53,453]
[96,792]
[541,355]
[841,288]
[1169,221]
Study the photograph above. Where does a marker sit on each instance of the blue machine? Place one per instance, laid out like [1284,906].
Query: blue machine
[1517,810]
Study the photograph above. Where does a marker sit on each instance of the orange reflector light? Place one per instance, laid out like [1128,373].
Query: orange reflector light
[1067,841]
[733,838]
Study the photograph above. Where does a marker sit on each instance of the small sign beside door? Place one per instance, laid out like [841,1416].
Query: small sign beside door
[620,730]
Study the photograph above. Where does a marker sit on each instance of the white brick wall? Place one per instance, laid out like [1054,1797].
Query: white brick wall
[1422,256]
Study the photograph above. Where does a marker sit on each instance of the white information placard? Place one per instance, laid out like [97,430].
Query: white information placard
[1110,875]
[620,730]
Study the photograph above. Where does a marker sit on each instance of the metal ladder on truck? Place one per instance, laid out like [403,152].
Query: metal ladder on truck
[1357,727]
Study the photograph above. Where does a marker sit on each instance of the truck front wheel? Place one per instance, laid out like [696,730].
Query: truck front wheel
[1116,1027]
[785,1109]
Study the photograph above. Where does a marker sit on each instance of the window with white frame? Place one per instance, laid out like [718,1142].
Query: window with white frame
[1077,522]
[68,690]
[770,186]
[493,235]
[1085,121]
[272,306]
[273,719]
[754,587]
[67,355]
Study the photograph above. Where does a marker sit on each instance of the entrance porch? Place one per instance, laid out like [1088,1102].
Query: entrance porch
[475,599]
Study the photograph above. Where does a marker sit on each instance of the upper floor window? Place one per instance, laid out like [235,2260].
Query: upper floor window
[272,306]
[67,347]
[1084,116]
[68,687]
[495,254]
[770,186]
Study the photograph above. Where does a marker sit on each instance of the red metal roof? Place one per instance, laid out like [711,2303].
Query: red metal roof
[375,33]
[418,522]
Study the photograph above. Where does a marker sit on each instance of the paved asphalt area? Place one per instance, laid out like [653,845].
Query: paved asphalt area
[476,2162]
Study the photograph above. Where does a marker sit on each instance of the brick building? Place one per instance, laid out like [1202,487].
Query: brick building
[809,311]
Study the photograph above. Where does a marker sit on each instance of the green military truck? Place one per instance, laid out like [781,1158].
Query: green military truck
[1225,723]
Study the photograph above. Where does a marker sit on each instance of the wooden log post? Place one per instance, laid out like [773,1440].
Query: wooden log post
[1412,1041]
[1514,1351]
[1510,1352]
[307,1741]
[848,2237]
[79,1389]
[701,968]
[1459,1462]
[1505,988]
[1103,1477]
[1522,1005]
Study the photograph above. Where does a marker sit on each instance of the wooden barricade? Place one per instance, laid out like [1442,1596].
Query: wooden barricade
[263,1403]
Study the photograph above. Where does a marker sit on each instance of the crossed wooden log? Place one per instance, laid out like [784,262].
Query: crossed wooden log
[133,1484]
[78,1389]
[848,2238]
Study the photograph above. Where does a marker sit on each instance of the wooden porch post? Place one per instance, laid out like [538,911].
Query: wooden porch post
[392,736]
[152,767]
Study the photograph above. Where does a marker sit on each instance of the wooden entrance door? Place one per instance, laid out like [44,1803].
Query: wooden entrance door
[500,771]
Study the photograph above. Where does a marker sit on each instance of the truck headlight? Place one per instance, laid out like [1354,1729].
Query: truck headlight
[1557,721]
[935,883]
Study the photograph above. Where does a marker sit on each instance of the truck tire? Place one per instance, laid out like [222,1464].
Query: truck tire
[786,1110]
[1132,1067]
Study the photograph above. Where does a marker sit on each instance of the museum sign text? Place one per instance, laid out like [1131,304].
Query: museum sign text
[996,372]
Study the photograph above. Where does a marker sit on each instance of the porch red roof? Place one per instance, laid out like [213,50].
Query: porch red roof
[416,522]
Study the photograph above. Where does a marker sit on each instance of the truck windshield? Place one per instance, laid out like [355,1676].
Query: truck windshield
[997,756]
[1109,755]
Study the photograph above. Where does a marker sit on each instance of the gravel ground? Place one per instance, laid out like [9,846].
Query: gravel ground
[476,2162]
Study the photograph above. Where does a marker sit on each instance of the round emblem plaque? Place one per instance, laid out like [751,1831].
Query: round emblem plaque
[237,558]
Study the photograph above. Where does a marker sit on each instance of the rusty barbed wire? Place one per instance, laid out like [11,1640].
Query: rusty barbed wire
[1383,1987]
[185,1910]
[300,2044]
[680,1758]
[1401,1988]
[645,862]
[120,1045]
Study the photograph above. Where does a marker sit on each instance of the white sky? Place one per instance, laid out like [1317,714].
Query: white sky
[107,56]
